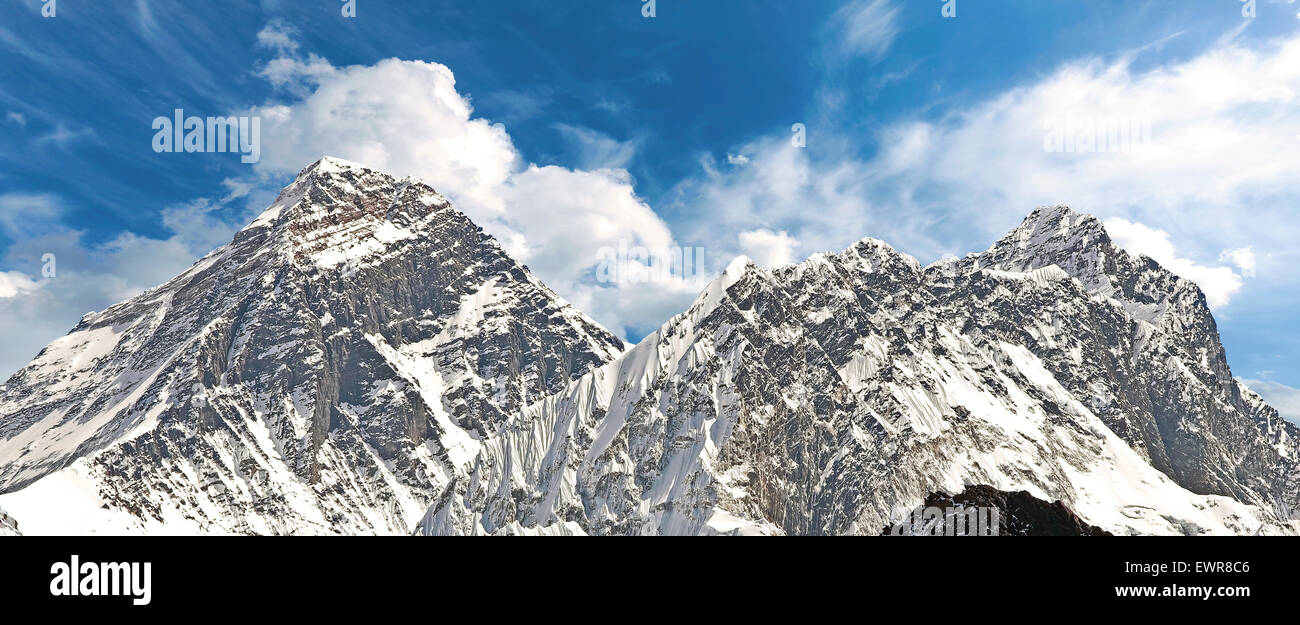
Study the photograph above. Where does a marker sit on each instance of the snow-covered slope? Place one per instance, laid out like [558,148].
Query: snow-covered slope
[328,371]
[835,395]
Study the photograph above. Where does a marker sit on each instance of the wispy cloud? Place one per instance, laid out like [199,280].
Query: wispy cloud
[867,27]
[62,135]
[597,150]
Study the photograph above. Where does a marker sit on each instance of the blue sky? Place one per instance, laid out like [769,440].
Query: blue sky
[579,124]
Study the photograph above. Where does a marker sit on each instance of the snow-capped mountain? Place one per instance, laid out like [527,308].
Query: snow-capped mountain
[362,354]
[331,370]
[836,395]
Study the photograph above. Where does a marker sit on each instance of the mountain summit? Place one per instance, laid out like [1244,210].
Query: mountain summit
[328,371]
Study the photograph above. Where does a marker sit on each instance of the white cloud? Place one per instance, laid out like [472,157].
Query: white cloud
[1217,175]
[403,117]
[407,118]
[814,205]
[561,217]
[1243,258]
[1222,139]
[868,27]
[1285,398]
[278,36]
[27,215]
[14,282]
[295,74]
[597,150]
[768,249]
[1218,283]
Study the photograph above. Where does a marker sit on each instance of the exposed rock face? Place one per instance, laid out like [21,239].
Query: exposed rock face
[832,396]
[1019,514]
[328,371]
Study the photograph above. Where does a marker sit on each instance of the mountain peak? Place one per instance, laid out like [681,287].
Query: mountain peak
[1053,235]
[332,164]
[1060,227]
[336,194]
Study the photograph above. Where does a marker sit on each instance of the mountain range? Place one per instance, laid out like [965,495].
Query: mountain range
[364,359]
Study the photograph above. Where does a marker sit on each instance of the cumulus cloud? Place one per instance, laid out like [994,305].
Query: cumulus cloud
[408,118]
[1221,147]
[403,117]
[1218,283]
[1243,258]
[766,248]
[14,282]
